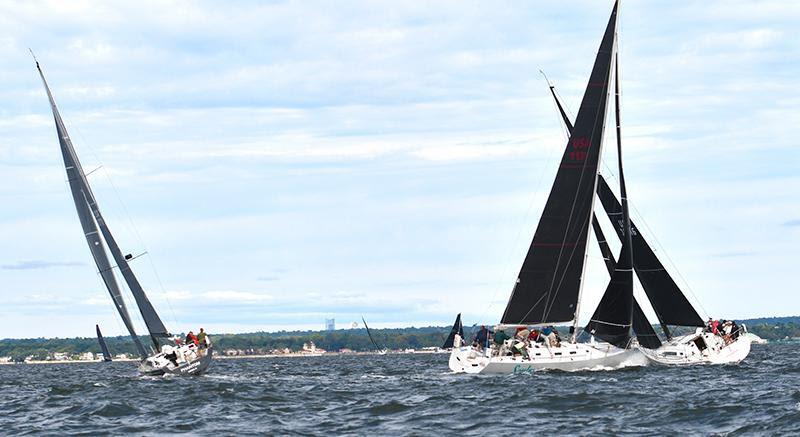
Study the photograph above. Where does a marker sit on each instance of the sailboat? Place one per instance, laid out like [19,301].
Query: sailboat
[549,286]
[457,330]
[103,345]
[380,350]
[182,359]
[670,305]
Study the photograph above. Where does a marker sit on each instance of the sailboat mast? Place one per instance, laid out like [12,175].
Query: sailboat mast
[626,218]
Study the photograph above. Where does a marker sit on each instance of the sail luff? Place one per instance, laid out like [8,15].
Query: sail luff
[103,345]
[549,284]
[80,195]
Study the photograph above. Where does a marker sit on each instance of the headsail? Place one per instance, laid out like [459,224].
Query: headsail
[458,328]
[548,286]
[613,319]
[81,193]
[669,303]
[369,333]
[103,345]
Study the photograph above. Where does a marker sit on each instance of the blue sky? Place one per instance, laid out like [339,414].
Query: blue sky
[287,162]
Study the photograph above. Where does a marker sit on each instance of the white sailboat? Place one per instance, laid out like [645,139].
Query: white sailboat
[183,359]
[548,288]
[670,305]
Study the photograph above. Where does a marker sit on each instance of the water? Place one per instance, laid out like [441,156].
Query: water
[404,394]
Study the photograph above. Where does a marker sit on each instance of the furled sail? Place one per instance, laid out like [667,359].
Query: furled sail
[458,328]
[369,333]
[612,321]
[81,193]
[103,345]
[670,304]
[548,286]
[641,326]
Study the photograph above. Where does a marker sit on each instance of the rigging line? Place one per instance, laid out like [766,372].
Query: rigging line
[130,221]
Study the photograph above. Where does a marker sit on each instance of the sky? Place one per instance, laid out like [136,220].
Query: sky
[280,163]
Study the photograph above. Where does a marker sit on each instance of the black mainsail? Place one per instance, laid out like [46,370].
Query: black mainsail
[613,319]
[458,328]
[81,193]
[103,345]
[92,220]
[547,289]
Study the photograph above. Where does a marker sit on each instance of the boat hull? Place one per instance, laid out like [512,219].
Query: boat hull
[188,365]
[699,348]
[568,357]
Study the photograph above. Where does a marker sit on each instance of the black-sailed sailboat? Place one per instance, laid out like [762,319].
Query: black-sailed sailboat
[380,350]
[549,285]
[181,359]
[456,330]
[103,345]
[669,303]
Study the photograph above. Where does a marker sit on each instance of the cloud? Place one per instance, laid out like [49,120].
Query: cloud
[40,265]
[733,254]
[791,223]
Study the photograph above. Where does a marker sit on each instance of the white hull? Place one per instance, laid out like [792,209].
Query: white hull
[699,348]
[568,357]
[189,361]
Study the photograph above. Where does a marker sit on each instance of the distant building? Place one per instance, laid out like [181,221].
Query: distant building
[86,356]
[330,324]
[60,356]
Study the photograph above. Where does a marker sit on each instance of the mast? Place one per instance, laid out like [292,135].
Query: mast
[549,284]
[81,193]
[626,217]
[613,318]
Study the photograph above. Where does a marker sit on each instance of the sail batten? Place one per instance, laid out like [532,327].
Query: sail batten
[549,283]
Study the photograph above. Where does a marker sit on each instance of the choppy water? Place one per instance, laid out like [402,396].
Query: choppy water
[404,394]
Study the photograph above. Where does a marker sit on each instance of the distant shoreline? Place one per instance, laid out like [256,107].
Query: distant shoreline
[235,357]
